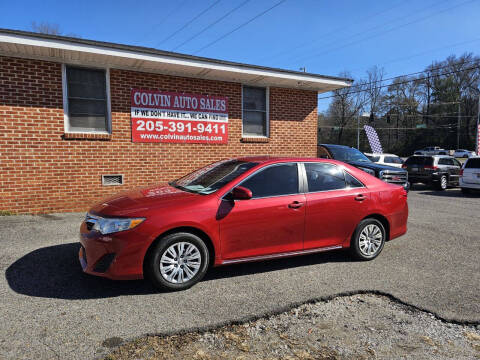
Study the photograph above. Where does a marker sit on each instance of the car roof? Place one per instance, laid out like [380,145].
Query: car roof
[336,146]
[263,159]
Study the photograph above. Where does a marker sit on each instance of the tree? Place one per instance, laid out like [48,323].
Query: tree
[46,28]
[346,105]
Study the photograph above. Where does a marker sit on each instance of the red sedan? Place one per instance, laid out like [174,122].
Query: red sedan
[240,210]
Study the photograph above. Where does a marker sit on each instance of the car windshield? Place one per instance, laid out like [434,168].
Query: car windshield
[348,154]
[212,177]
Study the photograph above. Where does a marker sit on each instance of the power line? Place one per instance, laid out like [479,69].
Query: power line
[424,52]
[365,18]
[407,81]
[387,31]
[415,73]
[209,26]
[169,14]
[240,26]
[188,23]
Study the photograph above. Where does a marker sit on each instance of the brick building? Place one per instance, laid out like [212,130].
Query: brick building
[68,128]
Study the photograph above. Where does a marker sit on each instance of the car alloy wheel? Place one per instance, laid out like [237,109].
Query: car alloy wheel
[177,261]
[443,183]
[368,239]
[180,262]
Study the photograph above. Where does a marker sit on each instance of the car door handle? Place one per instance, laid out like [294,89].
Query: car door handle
[295,205]
[360,197]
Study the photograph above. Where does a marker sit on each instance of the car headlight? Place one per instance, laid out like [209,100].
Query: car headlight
[110,225]
[368,171]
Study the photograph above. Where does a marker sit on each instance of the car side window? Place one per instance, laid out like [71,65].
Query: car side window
[351,181]
[323,177]
[274,180]
[456,163]
[393,160]
[443,161]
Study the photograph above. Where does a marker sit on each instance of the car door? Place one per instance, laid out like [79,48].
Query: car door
[336,203]
[455,171]
[272,221]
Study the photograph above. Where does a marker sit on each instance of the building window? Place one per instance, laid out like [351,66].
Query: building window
[255,111]
[86,102]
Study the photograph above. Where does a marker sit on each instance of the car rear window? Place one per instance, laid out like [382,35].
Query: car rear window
[420,160]
[473,163]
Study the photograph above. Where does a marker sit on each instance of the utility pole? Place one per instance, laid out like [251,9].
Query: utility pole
[458,127]
[477,137]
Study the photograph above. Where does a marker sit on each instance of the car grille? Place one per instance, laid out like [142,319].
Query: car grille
[395,177]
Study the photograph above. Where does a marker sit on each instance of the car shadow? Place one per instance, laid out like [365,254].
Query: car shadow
[54,272]
[450,192]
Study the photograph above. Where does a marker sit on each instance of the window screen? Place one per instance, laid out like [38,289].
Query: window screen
[254,111]
[274,181]
[87,99]
[323,177]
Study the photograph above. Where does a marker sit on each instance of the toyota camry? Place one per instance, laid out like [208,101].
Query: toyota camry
[240,210]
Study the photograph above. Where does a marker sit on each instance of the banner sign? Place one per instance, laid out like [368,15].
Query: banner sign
[178,118]
[372,136]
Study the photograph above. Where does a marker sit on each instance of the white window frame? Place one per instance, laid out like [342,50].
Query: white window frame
[66,120]
[267,115]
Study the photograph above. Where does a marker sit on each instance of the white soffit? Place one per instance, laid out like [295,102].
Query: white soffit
[85,52]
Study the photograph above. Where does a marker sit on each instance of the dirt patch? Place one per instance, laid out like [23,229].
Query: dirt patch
[353,327]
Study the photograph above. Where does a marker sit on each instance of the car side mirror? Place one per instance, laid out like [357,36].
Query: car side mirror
[241,193]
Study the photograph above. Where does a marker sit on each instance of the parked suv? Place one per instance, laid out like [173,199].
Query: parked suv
[470,175]
[439,171]
[358,159]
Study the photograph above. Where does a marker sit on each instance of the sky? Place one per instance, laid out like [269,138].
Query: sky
[325,37]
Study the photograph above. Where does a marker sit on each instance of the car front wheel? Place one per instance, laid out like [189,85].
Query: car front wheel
[177,262]
[368,239]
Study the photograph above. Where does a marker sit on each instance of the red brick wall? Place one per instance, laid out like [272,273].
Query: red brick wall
[43,170]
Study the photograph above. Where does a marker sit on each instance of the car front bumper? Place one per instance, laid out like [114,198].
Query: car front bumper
[116,256]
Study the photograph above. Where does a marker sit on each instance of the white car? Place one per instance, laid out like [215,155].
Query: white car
[470,175]
[386,159]
[462,153]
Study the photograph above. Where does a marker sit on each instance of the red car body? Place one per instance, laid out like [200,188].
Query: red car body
[249,230]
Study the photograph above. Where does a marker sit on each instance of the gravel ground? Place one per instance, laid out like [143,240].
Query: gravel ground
[351,327]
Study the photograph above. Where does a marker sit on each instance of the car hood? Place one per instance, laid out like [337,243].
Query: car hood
[142,199]
[374,166]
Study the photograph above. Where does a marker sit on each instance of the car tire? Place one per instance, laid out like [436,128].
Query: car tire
[465,191]
[442,183]
[177,262]
[368,239]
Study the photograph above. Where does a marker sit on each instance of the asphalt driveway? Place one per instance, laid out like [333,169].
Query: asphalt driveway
[50,309]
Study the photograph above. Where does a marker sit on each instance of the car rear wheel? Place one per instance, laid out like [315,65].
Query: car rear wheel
[177,262]
[442,183]
[368,239]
